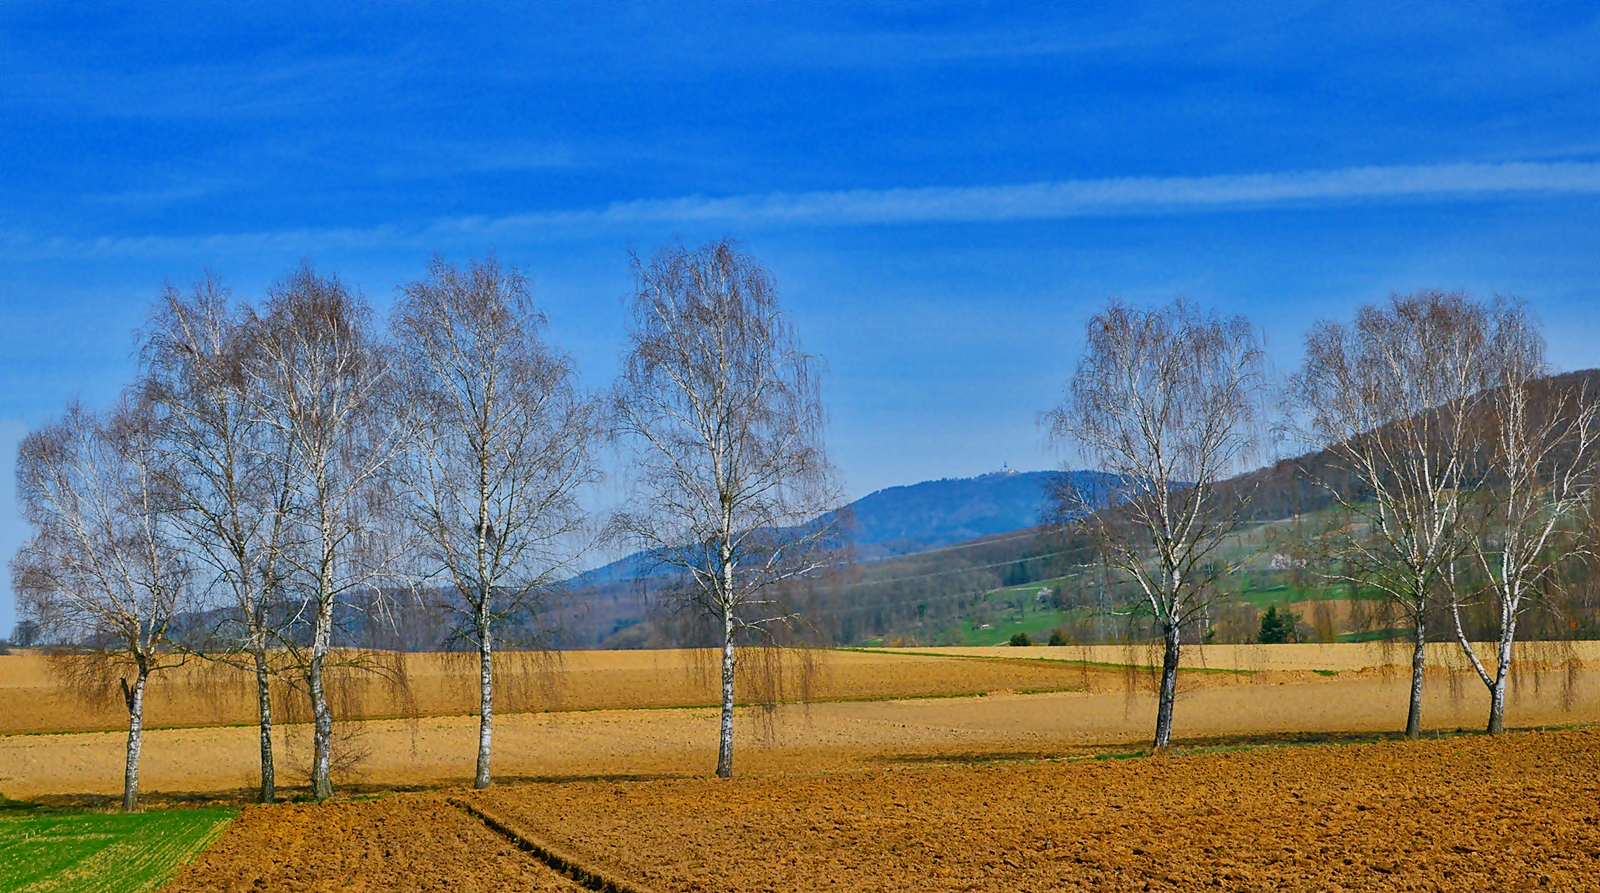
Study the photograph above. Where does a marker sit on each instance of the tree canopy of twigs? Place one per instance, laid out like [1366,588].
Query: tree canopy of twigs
[1169,401]
[724,411]
[1393,398]
[505,443]
[105,571]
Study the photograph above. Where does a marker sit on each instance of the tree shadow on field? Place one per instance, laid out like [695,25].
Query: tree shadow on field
[248,796]
[233,797]
[1309,739]
[1197,745]
[986,756]
[511,780]
[148,801]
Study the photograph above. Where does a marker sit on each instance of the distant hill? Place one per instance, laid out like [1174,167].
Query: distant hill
[918,517]
[1299,485]
[886,526]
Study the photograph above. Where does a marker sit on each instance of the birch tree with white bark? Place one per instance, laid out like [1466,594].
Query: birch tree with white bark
[1394,399]
[505,444]
[105,571]
[322,376]
[724,410]
[227,471]
[1169,401]
[1541,445]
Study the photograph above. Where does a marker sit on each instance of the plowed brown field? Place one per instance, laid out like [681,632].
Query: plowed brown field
[398,844]
[1465,813]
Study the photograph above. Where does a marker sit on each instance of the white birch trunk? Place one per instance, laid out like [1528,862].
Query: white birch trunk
[264,720]
[1419,664]
[1496,684]
[1497,692]
[322,735]
[1169,684]
[485,642]
[130,772]
[725,742]
[485,697]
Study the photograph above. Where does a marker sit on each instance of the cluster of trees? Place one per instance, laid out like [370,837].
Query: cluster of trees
[1458,472]
[277,468]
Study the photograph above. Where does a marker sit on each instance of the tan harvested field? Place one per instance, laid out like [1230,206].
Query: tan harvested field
[894,729]
[1517,813]
[208,694]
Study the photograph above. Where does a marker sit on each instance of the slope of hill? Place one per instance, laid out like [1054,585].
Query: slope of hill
[886,525]
[955,560]
[917,517]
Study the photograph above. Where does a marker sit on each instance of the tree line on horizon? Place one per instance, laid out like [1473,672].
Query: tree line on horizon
[278,468]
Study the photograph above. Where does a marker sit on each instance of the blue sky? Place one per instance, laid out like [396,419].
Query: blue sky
[944,191]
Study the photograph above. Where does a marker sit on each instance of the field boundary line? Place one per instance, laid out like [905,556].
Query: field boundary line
[593,879]
[1045,658]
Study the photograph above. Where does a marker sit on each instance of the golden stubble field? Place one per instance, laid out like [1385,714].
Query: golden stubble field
[647,714]
[1465,813]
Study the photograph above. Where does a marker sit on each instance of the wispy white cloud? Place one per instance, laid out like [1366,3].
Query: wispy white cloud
[1124,196]
[1077,198]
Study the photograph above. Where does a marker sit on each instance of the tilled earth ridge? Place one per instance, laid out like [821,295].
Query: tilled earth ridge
[397,845]
[1474,813]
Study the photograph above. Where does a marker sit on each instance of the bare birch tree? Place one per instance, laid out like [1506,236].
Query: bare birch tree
[1541,452]
[321,377]
[105,569]
[225,467]
[1168,400]
[505,444]
[1392,399]
[725,412]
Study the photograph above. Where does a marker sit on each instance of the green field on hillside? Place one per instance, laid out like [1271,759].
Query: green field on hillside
[70,850]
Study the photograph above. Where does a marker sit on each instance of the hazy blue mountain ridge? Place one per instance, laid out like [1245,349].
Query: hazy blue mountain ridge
[913,518]
[916,517]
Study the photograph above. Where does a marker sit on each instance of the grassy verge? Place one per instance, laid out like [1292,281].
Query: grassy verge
[68,850]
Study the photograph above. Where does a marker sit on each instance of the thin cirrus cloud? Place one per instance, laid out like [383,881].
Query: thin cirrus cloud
[1075,198]
[862,207]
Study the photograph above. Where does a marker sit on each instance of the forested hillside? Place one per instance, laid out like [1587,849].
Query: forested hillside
[1037,580]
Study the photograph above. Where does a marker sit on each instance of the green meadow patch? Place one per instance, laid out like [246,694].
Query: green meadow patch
[71,850]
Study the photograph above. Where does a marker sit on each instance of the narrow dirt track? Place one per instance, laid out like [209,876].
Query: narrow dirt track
[1464,813]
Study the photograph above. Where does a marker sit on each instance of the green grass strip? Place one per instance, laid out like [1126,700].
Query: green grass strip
[69,850]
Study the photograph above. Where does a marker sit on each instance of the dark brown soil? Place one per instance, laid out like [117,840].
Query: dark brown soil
[1467,813]
[399,843]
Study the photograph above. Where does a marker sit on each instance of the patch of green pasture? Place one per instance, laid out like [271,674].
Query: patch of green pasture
[1037,627]
[1035,618]
[71,850]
